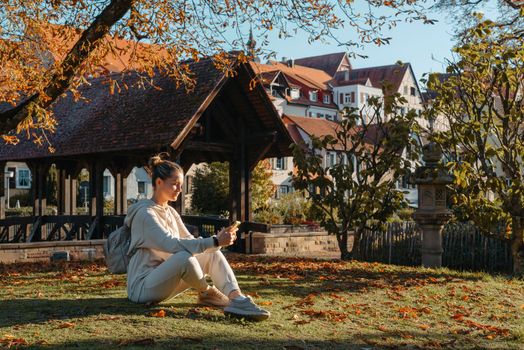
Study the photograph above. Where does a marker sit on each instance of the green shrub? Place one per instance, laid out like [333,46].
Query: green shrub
[24,198]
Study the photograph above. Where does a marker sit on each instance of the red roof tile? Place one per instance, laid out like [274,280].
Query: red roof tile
[328,63]
[322,127]
[393,74]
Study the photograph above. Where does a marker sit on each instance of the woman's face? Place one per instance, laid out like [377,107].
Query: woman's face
[171,187]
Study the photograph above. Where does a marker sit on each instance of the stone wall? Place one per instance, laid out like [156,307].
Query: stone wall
[42,251]
[292,240]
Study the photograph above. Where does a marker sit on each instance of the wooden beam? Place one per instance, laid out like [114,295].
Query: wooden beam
[209,147]
[260,155]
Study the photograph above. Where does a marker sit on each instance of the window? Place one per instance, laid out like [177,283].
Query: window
[413,91]
[329,117]
[313,96]
[295,93]
[320,115]
[331,158]
[106,185]
[280,164]
[327,100]
[12,180]
[341,99]
[23,180]
[274,93]
[346,99]
[141,187]
[283,189]
[310,114]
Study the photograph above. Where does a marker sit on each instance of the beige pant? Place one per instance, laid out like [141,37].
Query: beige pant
[182,271]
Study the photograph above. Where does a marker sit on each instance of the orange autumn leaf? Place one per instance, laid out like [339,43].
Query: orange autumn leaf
[160,313]
[458,317]
[66,325]
[424,327]
[265,303]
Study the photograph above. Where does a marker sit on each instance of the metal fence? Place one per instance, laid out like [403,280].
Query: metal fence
[465,247]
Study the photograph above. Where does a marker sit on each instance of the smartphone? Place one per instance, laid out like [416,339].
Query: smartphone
[236,224]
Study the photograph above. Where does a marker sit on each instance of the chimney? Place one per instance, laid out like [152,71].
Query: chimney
[284,59]
[291,63]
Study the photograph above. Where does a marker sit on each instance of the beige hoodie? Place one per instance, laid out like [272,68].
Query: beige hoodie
[158,232]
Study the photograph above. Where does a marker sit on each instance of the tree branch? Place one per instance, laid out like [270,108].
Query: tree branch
[70,67]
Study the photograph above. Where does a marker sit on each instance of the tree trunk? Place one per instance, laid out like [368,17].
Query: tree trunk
[342,239]
[517,246]
[71,66]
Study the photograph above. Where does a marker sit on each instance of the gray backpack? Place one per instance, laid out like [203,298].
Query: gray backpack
[115,250]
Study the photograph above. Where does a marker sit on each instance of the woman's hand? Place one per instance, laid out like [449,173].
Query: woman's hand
[227,236]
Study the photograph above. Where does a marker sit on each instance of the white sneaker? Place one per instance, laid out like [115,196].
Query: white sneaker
[246,308]
[213,297]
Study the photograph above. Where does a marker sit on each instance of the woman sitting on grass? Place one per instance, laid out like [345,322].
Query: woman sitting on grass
[169,260]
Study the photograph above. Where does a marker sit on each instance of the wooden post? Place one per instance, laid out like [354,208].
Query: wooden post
[2,191]
[39,173]
[96,195]
[66,191]
[120,169]
[117,210]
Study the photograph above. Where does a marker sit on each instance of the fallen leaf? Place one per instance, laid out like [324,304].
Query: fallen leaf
[424,326]
[265,303]
[160,313]
[66,325]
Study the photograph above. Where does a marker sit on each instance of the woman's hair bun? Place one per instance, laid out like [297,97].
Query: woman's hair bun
[157,159]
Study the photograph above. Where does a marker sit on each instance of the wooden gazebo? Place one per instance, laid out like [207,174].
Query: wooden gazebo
[223,119]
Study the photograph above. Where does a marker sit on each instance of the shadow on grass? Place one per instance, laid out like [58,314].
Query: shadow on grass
[25,311]
[229,341]
[37,311]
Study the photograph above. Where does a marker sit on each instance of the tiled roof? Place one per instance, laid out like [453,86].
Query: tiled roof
[132,119]
[322,127]
[313,78]
[393,74]
[312,126]
[297,76]
[358,81]
[328,63]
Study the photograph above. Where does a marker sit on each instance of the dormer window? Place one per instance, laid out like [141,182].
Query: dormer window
[327,100]
[313,96]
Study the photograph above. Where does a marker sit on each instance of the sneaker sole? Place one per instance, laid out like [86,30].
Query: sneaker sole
[250,317]
[211,304]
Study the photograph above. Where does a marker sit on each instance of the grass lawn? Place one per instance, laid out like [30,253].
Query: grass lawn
[315,304]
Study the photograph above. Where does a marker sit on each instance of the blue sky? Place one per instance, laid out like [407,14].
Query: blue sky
[425,46]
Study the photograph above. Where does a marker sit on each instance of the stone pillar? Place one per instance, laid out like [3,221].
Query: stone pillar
[432,212]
